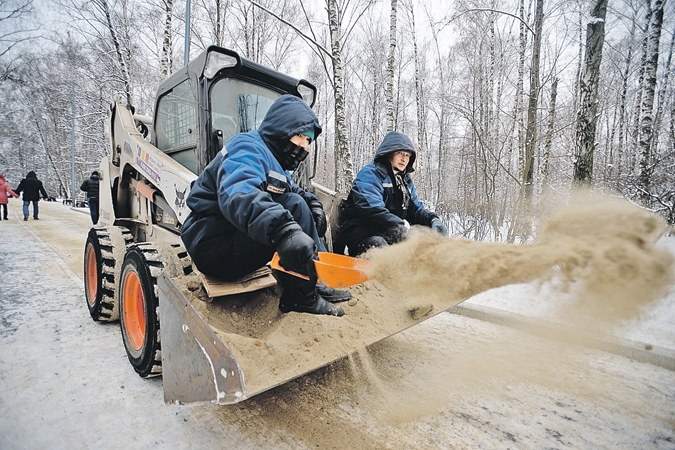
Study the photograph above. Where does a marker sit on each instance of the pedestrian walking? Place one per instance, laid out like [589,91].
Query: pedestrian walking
[32,189]
[5,193]
[90,186]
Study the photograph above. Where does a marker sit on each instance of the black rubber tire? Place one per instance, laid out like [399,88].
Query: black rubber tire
[142,265]
[102,257]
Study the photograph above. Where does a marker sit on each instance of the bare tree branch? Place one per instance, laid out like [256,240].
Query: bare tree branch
[495,11]
[297,30]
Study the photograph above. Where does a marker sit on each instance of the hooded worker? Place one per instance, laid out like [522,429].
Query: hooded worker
[382,203]
[245,206]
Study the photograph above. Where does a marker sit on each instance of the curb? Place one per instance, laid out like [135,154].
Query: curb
[635,350]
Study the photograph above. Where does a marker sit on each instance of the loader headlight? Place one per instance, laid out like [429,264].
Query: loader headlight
[215,61]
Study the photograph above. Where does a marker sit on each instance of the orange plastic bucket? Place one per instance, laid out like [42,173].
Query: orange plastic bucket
[334,270]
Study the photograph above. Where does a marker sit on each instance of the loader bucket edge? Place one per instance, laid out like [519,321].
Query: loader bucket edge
[196,366]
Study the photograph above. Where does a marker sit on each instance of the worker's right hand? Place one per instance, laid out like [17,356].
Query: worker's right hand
[438,226]
[297,252]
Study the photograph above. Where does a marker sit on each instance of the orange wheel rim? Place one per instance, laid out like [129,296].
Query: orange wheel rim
[134,311]
[92,276]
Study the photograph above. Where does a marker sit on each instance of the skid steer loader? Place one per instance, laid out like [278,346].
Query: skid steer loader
[137,271]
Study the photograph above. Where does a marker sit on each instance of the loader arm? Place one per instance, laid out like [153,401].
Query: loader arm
[138,177]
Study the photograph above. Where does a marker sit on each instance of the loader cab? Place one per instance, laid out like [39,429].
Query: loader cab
[214,97]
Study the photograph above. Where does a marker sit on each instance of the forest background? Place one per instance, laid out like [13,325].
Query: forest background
[509,103]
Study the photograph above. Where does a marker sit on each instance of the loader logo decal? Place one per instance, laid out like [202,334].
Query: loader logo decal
[180,197]
[147,163]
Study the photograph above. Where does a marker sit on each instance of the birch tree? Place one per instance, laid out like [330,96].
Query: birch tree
[344,172]
[390,67]
[647,105]
[588,105]
[662,96]
[533,100]
[166,60]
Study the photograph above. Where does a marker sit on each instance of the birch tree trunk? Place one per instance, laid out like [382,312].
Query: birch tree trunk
[344,172]
[218,25]
[120,54]
[520,89]
[661,98]
[588,107]
[531,132]
[167,55]
[521,224]
[420,108]
[389,91]
[638,98]
[549,133]
[647,106]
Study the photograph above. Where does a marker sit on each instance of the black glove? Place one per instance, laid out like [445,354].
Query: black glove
[438,226]
[297,251]
[319,216]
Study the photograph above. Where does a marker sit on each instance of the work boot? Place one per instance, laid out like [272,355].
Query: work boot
[301,296]
[320,306]
[332,295]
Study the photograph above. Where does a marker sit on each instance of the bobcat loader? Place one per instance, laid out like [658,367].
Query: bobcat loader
[210,341]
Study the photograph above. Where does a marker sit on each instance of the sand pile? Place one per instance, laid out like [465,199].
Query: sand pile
[605,250]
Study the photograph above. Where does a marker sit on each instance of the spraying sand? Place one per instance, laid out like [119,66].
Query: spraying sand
[603,251]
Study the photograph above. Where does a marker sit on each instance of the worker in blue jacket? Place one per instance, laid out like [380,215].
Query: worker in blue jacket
[382,203]
[244,207]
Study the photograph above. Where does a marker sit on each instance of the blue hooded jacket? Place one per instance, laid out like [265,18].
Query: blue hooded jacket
[374,206]
[237,190]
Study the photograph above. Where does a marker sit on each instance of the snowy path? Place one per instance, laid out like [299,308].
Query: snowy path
[450,382]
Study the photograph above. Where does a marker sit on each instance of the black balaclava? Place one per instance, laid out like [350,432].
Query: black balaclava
[288,116]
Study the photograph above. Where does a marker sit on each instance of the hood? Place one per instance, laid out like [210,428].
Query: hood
[393,142]
[94,176]
[289,115]
[31,174]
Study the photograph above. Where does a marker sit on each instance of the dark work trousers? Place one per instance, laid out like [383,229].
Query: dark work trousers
[93,209]
[236,255]
[4,211]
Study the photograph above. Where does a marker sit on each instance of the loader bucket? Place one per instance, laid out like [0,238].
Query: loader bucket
[228,349]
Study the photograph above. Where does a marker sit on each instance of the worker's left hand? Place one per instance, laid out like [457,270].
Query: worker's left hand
[319,217]
[438,226]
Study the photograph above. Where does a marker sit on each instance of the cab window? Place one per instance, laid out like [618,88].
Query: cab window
[176,124]
[238,106]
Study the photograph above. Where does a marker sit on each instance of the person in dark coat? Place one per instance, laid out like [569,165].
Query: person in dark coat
[32,189]
[90,186]
[245,206]
[5,193]
[382,203]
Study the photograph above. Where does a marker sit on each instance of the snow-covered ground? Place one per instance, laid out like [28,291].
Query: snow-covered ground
[450,382]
